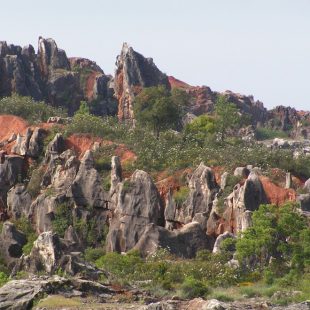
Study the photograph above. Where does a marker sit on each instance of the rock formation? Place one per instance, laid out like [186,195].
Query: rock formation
[134,72]
[51,76]
[137,205]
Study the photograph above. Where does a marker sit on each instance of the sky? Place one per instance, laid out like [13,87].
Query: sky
[253,47]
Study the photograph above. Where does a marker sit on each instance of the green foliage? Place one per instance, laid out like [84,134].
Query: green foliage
[181,195]
[83,109]
[156,108]
[192,288]
[23,224]
[278,233]
[228,245]
[62,219]
[127,186]
[3,278]
[93,254]
[201,126]
[162,271]
[264,133]
[28,109]
[34,185]
[103,164]
[227,115]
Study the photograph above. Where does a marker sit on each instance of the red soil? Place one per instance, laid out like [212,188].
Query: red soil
[275,194]
[83,142]
[10,124]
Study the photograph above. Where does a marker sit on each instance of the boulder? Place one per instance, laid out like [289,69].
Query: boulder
[21,294]
[212,304]
[184,242]
[137,205]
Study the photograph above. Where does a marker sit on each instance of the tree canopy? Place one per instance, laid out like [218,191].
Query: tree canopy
[159,109]
[227,116]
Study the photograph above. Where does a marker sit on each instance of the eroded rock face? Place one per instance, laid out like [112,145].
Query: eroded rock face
[134,72]
[20,294]
[11,243]
[45,253]
[203,189]
[137,205]
[202,100]
[18,202]
[49,75]
[236,213]
[220,239]
[184,242]
[31,144]
[86,189]
[12,170]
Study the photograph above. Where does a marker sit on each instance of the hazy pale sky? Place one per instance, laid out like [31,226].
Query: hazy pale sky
[258,47]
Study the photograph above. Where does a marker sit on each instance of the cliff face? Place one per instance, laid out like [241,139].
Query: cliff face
[203,101]
[134,72]
[49,75]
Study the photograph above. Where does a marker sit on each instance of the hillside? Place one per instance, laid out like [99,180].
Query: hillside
[141,190]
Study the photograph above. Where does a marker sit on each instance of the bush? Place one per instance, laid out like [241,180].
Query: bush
[3,278]
[264,133]
[34,185]
[93,254]
[181,195]
[28,109]
[24,225]
[192,288]
[62,219]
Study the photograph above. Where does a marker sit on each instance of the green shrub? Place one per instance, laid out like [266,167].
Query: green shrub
[264,133]
[34,185]
[249,292]
[3,278]
[222,297]
[23,224]
[192,288]
[62,219]
[28,109]
[181,195]
[93,254]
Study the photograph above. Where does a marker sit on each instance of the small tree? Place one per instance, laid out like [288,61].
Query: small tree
[157,109]
[227,114]
[201,127]
[83,109]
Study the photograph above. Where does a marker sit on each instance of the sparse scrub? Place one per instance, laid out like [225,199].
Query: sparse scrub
[28,109]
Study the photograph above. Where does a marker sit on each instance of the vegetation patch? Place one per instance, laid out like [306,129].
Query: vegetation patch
[29,109]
